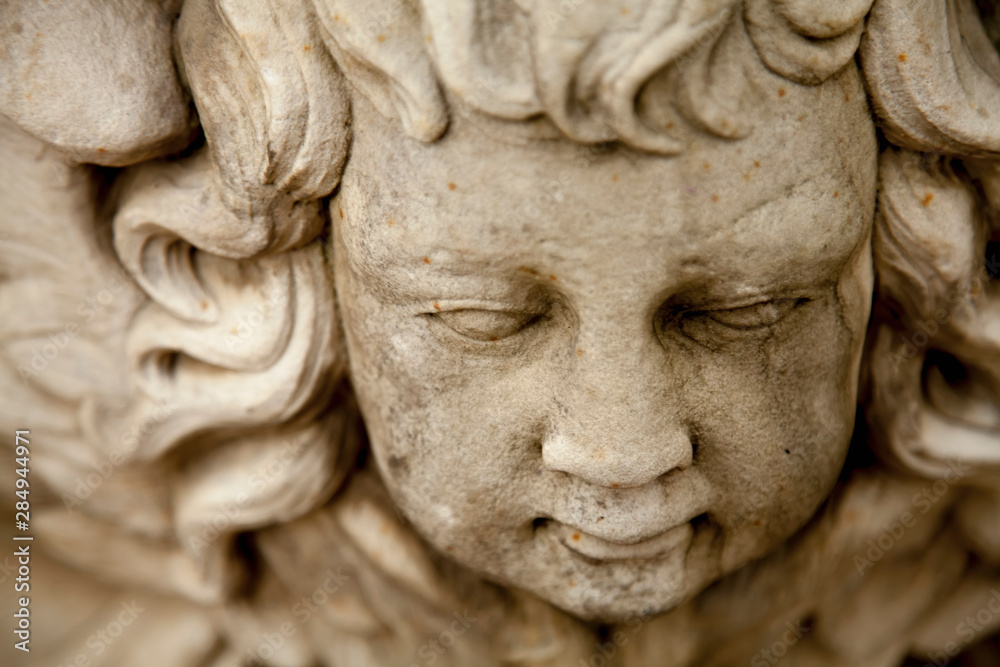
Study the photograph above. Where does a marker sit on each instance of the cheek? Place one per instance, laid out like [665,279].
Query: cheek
[453,438]
[774,426]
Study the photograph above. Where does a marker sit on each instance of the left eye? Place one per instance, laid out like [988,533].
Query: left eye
[485,325]
[718,327]
[757,316]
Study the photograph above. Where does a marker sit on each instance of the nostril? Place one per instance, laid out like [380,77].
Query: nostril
[603,459]
[539,522]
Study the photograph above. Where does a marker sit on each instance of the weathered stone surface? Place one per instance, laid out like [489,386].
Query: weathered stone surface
[497,332]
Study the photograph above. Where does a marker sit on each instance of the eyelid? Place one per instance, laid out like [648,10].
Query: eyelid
[446,305]
[485,325]
[484,322]
[755,315]
[718,326]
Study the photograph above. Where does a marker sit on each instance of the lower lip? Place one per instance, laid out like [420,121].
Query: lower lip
[596,549]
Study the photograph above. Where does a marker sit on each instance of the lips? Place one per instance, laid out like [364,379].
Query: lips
[601,549]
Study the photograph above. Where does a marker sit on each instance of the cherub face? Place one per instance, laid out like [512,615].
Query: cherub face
[637,387]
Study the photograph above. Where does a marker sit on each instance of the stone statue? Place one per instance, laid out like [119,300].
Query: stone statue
[505,332]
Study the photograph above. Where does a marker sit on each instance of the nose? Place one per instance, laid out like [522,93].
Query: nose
[616,423]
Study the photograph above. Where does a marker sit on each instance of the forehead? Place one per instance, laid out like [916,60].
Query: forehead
[799,188]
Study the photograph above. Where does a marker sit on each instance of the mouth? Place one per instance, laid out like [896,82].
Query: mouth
[601,550]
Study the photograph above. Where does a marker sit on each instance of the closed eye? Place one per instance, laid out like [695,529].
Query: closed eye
[729,325]
[756,316]
[485,325]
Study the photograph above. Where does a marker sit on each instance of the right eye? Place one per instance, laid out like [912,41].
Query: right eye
[485,325]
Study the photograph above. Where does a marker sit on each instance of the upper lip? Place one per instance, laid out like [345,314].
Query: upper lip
[627,516]
[636,546]
[620,527]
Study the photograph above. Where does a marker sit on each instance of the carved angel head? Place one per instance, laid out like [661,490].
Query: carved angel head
[606,284]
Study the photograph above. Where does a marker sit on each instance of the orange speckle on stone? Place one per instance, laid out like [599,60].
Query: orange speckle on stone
[579,352]
[614,177]
[307,48]
[614,485]
[571,584]
[756,163]
[436,306]
[902,57]
[449,548]
[380,38]
[528,270]
[203,305]
[757,522]
[781,92]
[836,193]
[552,277]
[427,260]
[847,97]
[707,166]
[669,125]
[928,198]
[576,537]
[341,212]
[715,198]
[625,11]
[428,39]
[452,186]
[391,222]
[233,330]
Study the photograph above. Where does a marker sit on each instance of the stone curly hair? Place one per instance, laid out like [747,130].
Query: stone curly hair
[230,345]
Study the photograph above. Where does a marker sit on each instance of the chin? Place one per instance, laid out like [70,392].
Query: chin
[594,606]
[606,597]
